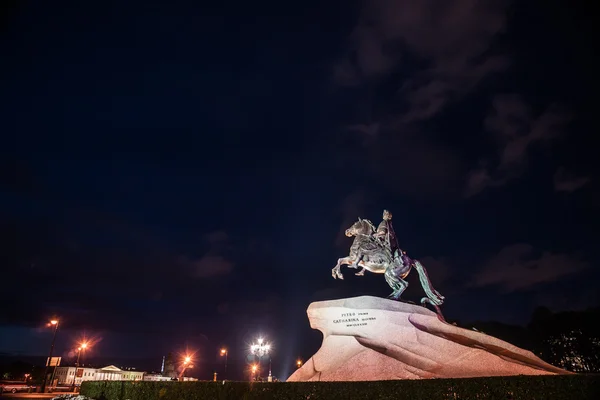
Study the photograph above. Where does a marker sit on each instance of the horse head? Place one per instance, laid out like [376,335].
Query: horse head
[362,226]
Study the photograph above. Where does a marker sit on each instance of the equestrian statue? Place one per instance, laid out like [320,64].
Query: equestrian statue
[377,251]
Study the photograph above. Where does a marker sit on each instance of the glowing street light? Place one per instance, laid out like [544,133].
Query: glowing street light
[224,353]
[298,363]
[186,364]
[82,346]
[261,349]
[54,323]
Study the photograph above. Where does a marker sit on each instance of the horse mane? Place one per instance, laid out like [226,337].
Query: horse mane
[370,224]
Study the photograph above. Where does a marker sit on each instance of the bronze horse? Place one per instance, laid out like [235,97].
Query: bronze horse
[370,253]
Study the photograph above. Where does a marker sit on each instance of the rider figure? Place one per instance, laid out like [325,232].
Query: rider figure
[385,233]
[387,237]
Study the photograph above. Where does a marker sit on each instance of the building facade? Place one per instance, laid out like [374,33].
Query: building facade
[157,378]
[65,375]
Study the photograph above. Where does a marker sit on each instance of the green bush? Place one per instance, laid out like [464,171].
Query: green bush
[515,387]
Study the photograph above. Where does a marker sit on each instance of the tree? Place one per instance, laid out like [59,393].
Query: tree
[569,340]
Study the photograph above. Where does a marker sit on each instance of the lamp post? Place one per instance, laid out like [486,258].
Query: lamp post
[186,364]
[54,323]
[261,349]
[224,353]
[83,346]
[254,369]
[298,363]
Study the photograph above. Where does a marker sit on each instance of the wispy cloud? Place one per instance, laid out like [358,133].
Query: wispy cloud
[514,129]
[427,55]
[568,182]
[518,267]
[213,262]
[210,266]
[450,42]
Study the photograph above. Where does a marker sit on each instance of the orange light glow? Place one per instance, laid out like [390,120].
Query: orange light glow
[54,322]
[223,351]
[86,343]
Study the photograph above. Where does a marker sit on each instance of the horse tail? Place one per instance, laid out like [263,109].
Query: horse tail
[433,296]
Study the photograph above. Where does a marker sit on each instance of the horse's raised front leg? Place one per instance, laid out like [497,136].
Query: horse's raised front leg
[355,265]
[335,272]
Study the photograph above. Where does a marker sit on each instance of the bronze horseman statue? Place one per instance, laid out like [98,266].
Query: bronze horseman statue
[377,251]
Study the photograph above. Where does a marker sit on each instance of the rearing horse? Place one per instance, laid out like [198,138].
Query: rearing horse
[369,253]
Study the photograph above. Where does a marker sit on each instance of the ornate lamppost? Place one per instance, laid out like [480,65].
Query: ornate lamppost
[261,349]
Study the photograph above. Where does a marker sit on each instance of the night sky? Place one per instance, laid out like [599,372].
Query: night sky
[175,175]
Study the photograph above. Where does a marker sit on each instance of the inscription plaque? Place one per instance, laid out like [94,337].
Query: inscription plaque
[354,319]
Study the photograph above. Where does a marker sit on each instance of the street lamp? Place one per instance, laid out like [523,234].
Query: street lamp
[186,364]
[298,363]
[254,369]
[261,349]
[224,353]
[82,346]
[54,323]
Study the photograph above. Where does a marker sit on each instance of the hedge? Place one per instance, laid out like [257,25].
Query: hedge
[515,387]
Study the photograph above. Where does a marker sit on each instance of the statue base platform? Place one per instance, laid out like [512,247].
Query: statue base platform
[370,339]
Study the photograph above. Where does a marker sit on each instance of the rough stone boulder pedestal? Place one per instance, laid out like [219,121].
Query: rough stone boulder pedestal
[369,338]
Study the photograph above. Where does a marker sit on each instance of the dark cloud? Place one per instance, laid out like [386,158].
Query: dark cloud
[518,268]
[80,263]
[567,182]
[213,262]
[418,166]
[579,296]
[515,130]
[211,265]
[438,66]
[455,49]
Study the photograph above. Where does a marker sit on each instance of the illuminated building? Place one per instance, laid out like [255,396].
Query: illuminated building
[65,375]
